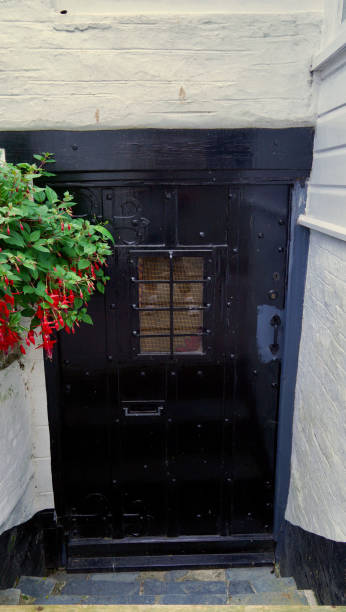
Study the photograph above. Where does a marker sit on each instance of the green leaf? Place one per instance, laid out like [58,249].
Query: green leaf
[87,319]
[15,238]
[40,196]
[32,175]
[28,289]
[41,289]
[104,231]
[83,263]
[78,302]
[51,195]
[100,287]
[39,247]
[27,312]
[35,236]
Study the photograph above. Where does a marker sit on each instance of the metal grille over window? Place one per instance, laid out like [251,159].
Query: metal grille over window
[171,304]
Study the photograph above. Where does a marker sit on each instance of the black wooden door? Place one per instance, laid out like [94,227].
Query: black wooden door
[170,400]
[163,415]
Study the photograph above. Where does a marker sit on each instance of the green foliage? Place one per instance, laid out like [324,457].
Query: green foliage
[48,258]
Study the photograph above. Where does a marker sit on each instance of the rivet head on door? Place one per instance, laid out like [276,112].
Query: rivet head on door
[272,294]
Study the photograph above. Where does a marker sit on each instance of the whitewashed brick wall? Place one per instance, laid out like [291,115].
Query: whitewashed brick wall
[98,67]
[317,497]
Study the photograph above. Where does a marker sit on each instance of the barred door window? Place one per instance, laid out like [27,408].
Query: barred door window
[171,304]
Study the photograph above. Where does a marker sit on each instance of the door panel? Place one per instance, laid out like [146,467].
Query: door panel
[170,399]
[196,227]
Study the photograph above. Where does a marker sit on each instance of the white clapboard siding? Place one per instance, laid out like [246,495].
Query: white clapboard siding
[327,192]
[331,130]
[329,169]
[328,203]
[332,92]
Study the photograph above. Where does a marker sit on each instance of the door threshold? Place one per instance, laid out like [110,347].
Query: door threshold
[168,562]
[181,546]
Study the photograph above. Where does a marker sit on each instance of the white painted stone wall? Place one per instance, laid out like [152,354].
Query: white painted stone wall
[317,497]
[25,467]
[25,471]
[157,64]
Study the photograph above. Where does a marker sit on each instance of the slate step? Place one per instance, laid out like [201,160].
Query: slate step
[34,586]
[9,597]
[231,586]
[288,598]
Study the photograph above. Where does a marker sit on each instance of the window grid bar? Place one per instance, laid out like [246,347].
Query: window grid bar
[187,335]
[175,308]
[171,303]
[168,282]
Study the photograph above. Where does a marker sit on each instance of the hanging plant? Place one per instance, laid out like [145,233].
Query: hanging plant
[50,262]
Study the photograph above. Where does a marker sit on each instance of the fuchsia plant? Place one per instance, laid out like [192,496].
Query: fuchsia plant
[50,262]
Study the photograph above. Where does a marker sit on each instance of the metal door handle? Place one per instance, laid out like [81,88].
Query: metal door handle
[275,322]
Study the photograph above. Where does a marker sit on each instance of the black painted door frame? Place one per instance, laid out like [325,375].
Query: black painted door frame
[237,158]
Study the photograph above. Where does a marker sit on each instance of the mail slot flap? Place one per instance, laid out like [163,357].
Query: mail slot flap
[143,408]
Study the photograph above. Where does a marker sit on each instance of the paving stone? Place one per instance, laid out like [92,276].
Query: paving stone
[122,600]
[117,577]
[172,575]
[272,583]
[35,586]
[192,599]
[155,575]
[248,573]
[61,599]
[100,587]
[237,587]
[9,597]
[288,598]
[62,576]
[208,575]
[153,587]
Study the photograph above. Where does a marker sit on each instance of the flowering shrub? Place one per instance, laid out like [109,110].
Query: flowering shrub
[50,262]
